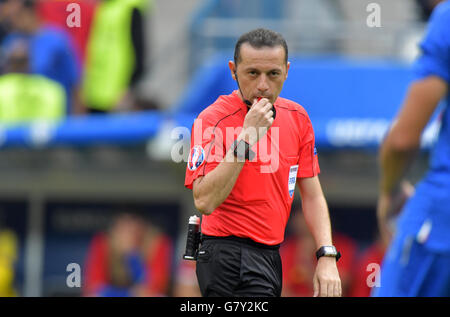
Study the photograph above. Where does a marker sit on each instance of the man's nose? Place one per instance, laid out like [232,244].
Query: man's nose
[262,83]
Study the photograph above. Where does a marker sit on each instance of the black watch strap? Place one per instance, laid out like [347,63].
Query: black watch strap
[241,150]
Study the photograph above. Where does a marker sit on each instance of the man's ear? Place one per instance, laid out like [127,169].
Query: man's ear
[232,67]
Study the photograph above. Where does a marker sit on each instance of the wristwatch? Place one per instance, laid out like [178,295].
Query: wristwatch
[241,150]
[328,250]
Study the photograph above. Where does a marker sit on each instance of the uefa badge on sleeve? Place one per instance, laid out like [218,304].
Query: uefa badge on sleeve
[196,158]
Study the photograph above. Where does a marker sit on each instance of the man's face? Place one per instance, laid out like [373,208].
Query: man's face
[261,71]
[9,10]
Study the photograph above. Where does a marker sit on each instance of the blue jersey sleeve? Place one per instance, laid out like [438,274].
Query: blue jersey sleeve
[435,47]
[68,63]
[54,56]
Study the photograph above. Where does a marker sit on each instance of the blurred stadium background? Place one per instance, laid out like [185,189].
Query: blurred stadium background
[63,182]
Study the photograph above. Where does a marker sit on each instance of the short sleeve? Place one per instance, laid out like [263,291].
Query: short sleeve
[435,47]
[206,150]
[308,164]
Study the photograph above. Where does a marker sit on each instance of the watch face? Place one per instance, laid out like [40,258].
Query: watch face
[329,250]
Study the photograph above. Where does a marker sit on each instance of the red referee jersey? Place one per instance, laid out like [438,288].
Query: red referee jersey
[259,204]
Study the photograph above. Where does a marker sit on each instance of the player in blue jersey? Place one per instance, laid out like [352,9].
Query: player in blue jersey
[417,262]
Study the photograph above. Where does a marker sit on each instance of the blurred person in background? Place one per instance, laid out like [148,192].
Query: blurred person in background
[115,57]
[299,262]
[417,262]
[186,284]
[133,258]
[25,97]
[427,7]
[364,273]
[51,53]
[58,12]
[4,26]
[8,258]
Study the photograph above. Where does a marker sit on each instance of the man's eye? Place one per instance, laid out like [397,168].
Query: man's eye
[274,74]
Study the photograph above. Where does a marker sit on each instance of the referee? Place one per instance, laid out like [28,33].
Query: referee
[248,151]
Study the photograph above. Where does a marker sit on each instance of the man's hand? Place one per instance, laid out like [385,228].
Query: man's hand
[389,206]
[327,282]
[257,121]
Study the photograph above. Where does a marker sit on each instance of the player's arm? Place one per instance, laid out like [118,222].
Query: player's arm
[212,189]
[403,140]
[326,279]
[404,136]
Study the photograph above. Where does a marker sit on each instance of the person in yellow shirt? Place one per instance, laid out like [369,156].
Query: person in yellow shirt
[25,97]
[115,55]
[8,257]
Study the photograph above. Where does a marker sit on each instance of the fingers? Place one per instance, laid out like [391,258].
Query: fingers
[407,188]
[327,288]
[267,107]
[334,289]
[320,287]
[267,112]
[262,106]
[316,286]
[323,289]
[338,290]
[259,119]
[259,104]
[262,110]
[330,289]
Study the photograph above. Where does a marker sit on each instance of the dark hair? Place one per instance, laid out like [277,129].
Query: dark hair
[29,4]
[26,3]
[259,38]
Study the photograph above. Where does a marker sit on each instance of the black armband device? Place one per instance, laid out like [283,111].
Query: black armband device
[241,150]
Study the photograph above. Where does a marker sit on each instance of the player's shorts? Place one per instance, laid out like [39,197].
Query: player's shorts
[409,269]
[234,266]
